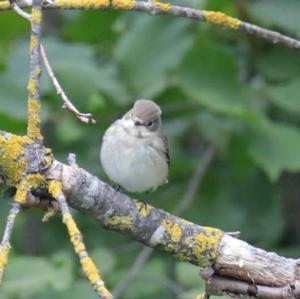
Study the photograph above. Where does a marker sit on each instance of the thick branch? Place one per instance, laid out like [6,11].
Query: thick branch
[118,212]
[203,246]
[155,8]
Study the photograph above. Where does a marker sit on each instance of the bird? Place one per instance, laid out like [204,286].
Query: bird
[134,151]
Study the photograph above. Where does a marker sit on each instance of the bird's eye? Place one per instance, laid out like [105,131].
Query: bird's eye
[137,123]
[149,124]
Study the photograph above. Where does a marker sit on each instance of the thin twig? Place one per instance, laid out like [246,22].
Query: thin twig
[156,8]
[15,209]
[5,243]
[135,269]
[83,117]
[181,208]
[88,266]
[195,182]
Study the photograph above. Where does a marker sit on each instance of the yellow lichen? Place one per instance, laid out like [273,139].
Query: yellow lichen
[34,120]
[28,183]
[36,15]
[12,162]
[55,188]
[74,233]
[220,18]
[33,43]
[32,86]
[84,4]
[37,71]
[90,269]
[4,5]
[88,266]
[205,243]
[162,6]
[173,229]
[35,180]
[22,190]
[123,4]
[49,214]
[144,209]
[71,225]
[48,159]
[121,222]
[92,273]
[4,253]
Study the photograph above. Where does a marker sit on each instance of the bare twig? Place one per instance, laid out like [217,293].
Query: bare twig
[182,206]
[156,8]
[83,117]
[88,266]
[195,182]
[135,269]
[20,11]
[5,243]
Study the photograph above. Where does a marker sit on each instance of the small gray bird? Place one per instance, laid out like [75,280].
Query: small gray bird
[134,151]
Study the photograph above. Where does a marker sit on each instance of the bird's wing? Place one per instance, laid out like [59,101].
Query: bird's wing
[166,147]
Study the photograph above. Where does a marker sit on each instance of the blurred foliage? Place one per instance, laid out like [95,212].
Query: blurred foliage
[215,86]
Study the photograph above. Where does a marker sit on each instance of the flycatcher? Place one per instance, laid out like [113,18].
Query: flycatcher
[134,151]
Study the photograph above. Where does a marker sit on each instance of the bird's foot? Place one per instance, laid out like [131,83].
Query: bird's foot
[117,187]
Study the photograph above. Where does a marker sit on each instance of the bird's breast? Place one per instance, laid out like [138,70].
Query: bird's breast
[133,162]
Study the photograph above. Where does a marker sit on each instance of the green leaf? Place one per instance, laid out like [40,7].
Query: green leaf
[188,275]
[287,96]
[11,26]
[154,275]
[277,12]
[27,276]
[209,76]
[69,130]
[105,260]
[91,26]
[13,82]
[274,147]
[279,64]
[79,290]
[217,129]
[150,50]
[79,74]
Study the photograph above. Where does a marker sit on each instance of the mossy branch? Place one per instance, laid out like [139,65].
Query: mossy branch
[34,106]
[156,8]
[24,160]
[210,248]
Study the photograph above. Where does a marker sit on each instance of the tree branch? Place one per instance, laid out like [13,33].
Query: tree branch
[203,246]
[156,8]
[5,243]
[180,209]
[83,117]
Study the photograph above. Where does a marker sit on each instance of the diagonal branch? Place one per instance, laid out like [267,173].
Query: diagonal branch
[207,247]
[88,266]
[179,210]
[83,117]
[5,243]
[156,8]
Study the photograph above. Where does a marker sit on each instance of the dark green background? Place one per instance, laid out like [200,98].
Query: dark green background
[216,87]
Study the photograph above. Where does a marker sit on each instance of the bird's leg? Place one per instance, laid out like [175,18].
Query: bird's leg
[116,186]
[144,202]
